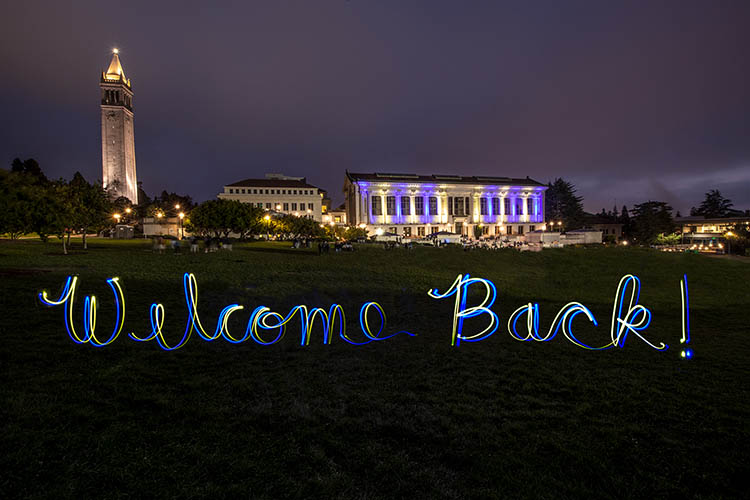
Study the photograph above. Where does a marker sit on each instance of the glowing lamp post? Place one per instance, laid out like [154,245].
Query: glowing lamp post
[182,216]
[117,218]
[267,218]
[729,241]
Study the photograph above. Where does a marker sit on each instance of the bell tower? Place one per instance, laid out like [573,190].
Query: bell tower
[118,140]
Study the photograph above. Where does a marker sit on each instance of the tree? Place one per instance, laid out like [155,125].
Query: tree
[355,233]
[14,204]
[651,219]
[624,219]
[714,205]
[168,201]
[562,203]
[91,206]
[29,167]
[221,217]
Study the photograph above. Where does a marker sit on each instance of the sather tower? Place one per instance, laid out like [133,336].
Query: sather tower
[118,142]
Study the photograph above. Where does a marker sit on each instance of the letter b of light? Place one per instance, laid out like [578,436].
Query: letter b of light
[459,288]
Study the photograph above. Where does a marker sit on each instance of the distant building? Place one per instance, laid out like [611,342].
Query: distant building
[280,193]
[337,216]
[607,226]
[163,226]
[699,228]
[118,139]
[418,205]
[327,203]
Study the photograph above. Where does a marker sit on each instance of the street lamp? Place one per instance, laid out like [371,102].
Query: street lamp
[117,217]
[267,218]
[182,216]
[177,206]
[728,235]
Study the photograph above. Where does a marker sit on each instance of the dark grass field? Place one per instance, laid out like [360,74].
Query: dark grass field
[409,417]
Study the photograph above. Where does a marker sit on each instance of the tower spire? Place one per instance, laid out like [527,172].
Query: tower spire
[114,71]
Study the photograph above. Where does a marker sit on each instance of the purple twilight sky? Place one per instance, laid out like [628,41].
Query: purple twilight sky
[631,100]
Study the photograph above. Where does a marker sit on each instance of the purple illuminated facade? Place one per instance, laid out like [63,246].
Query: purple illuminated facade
[419,205]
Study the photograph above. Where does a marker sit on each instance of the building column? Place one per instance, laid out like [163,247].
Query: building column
[542,208]
[358,202]
[525,208]
[382,208]
[502,209]
[413,215]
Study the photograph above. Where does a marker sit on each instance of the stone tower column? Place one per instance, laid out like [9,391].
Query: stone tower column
[118,139]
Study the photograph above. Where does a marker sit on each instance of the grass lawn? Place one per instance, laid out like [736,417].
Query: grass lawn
[409,417]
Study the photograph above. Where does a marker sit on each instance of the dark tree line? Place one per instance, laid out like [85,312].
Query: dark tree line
[31,203]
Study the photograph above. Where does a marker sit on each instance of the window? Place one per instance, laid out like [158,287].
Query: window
[377,207]
[266,191]
[467,206]
[519,206]
[419,207]
[508,229]
[520,229]
[260,205]
[507,206]
[294,206]
[405,205]
[390,205]
[310,206]
[393,230]
[337,218]
[302,206]
[434,229]
[231,191]
[532,228]
[482,206]
[255,191]
[530,206]
[498,230]
[268,205]
[450,205]
[407,231]
[420,231]
[458,208]
[433,205]
[496,206]
[485,230]
[286,206]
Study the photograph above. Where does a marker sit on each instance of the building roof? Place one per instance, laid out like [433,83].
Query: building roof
[114,71]
[438,178]
[274,183]
[693,219]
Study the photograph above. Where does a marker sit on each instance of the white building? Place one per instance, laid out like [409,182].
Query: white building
[418,205]
[283,194]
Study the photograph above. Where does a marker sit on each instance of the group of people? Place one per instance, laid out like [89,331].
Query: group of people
[210,244]
[339,246]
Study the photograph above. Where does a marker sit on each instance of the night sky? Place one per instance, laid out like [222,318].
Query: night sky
[631,101]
